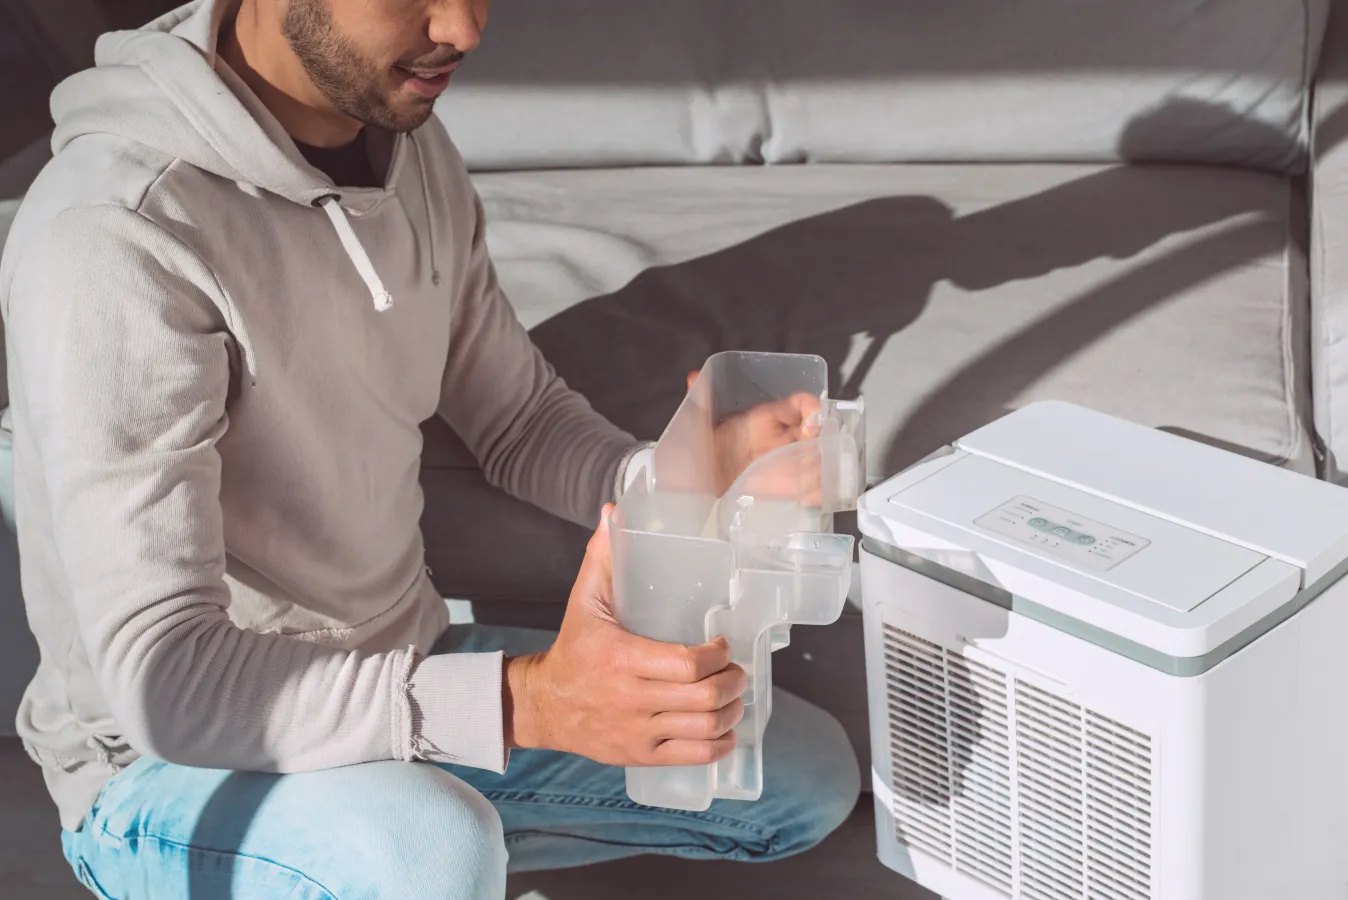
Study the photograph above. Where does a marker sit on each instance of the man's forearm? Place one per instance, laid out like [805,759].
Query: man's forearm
[195,689]
[534,437]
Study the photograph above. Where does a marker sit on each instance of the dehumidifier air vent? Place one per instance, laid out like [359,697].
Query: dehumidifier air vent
[950,749]
[965,739]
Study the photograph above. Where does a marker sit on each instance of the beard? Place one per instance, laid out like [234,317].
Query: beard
[355,85]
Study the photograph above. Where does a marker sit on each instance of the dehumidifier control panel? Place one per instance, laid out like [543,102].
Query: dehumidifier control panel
[980,503]
[1062,533]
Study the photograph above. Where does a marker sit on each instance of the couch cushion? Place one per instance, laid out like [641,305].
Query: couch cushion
[1174,297]
[8,209]
[564,83]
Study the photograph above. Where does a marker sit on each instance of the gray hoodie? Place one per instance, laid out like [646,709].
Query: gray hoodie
[218,364]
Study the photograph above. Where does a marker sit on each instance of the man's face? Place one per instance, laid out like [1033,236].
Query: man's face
[383,62]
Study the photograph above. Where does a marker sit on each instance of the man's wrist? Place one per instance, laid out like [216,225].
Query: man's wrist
[517,720]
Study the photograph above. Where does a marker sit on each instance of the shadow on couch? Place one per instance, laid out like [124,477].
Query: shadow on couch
[833,285]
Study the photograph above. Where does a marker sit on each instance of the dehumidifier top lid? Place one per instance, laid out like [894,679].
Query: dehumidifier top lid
[1162,548]
[1272,511]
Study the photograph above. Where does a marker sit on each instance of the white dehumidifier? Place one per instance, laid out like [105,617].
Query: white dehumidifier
[1107,663]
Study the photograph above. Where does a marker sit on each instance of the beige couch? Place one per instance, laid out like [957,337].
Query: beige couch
[963,206]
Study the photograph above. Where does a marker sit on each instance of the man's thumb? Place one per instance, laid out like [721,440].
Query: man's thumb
[600,548]
[606,515]
[594,583]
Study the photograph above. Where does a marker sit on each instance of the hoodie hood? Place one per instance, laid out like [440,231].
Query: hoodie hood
[165,87]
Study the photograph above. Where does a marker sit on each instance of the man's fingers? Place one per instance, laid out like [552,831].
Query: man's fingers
[707,726]
[692,378]
[801,414]
[714,692]
[693,753]
[793,418]
[795,476]
[659,661]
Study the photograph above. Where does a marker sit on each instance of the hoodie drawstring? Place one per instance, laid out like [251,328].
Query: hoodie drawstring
[382,299]
[430,216]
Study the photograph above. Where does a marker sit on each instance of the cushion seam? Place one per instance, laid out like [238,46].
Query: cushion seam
[1304,117]
[1323,409]
[1289,366]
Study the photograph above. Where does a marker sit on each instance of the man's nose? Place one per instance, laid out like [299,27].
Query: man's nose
[456,23]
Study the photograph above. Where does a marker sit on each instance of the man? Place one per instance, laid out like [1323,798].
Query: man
[254,267]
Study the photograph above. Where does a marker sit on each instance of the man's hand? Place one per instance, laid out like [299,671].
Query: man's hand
[606,694]
[745,437]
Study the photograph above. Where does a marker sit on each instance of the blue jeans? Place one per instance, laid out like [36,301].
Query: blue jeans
[414,830]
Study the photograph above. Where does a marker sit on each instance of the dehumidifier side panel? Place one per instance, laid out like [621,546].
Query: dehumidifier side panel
[1320,768]
[1240,749]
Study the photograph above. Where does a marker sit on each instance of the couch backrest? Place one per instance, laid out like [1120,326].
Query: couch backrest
[566,83]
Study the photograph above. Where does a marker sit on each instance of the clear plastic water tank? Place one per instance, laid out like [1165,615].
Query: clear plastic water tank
[695,559]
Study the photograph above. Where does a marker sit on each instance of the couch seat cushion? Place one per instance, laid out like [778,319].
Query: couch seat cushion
[947,295]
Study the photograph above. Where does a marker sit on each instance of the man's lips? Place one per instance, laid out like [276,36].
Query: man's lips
[429,73]
[428,82]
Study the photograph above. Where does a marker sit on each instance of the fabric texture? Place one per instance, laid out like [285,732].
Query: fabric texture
[1329,250]
[217,392]
[569,83]
[162,832]
[1175,297]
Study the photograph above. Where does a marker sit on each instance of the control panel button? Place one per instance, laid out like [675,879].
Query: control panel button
[1082,541]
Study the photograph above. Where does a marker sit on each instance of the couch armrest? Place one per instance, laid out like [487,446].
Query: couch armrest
[1329,247]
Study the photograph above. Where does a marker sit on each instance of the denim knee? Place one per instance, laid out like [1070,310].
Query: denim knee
[813,777]
[451,845]
[428,835]
[365,832]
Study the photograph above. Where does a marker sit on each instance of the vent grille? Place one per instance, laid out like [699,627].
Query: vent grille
[965,739]
[950,754]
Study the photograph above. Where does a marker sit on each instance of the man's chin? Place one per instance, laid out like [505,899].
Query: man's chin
[413,123]
[405,117]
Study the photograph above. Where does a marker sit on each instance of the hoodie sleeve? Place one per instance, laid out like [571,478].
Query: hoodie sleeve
[120,357]
[534,437]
